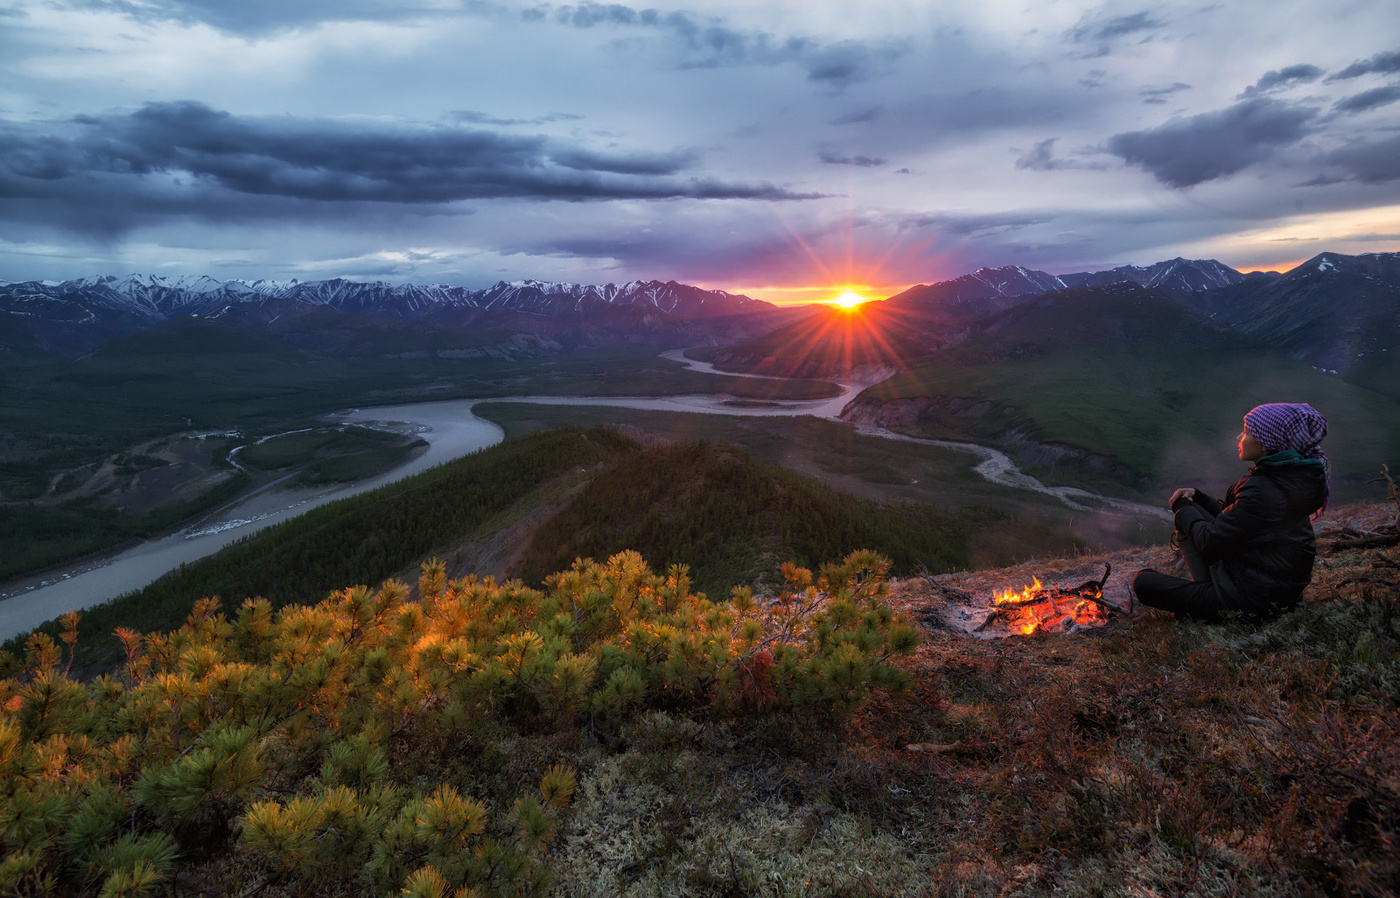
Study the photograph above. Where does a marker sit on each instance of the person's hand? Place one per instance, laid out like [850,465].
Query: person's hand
[1188,493]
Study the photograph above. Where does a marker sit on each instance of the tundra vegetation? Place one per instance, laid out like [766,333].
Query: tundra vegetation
[615,733]
[611,730]
[258,744]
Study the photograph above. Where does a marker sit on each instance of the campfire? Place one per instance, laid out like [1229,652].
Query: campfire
[1036,607]
[1023,610]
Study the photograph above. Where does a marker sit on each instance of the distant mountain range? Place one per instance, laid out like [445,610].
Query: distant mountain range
[157,298]
[77,316]
[994,289]
[1336,312]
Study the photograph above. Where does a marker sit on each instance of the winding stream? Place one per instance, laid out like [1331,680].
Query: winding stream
[451,430]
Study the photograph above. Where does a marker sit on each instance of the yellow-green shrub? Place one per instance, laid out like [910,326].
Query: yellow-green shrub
[278,728]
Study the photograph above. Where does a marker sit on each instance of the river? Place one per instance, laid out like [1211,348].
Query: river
[451,430]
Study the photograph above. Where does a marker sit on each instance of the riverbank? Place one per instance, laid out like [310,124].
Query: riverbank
[451,430]
[448,428]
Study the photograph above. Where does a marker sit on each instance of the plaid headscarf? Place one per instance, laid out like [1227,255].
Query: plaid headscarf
[1296,426]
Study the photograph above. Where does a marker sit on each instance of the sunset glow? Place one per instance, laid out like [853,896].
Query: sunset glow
[783,151]
[849,300]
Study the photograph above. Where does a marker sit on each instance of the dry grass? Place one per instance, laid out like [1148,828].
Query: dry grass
[1150,758]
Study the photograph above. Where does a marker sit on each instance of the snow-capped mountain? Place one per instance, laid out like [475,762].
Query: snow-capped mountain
[682,300]
[1337,312]
[78,315]
[1172,276]
[1381,267]
[995,289]
[984,290]
[158,299]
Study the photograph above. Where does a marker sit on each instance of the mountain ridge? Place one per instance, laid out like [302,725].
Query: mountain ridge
[79,315]
[160,297]
[1337,312]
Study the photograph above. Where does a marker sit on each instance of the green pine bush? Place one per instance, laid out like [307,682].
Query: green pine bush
[270,734]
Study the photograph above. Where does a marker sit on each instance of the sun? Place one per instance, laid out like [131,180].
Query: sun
[849,300]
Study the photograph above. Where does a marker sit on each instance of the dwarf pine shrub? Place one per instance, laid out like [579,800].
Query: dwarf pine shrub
[315,740]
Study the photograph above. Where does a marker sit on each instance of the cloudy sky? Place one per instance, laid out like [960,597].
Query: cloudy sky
[774,148]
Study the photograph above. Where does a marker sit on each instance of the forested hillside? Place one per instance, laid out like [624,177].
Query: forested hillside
[362,539]
[730,517]
[734,519]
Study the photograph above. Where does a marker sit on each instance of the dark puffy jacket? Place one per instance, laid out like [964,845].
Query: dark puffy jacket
[1259,544]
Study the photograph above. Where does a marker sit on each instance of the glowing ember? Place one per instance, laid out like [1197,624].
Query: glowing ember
[1034,607]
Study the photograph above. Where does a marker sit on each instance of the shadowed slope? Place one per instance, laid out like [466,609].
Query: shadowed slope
[1122,387]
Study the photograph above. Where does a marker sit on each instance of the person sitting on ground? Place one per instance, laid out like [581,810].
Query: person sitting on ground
[1253,553]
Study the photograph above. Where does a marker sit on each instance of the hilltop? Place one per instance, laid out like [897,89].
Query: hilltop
[1149,756]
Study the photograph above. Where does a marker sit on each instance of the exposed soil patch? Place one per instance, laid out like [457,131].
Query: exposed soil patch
[150,475]
[500,554]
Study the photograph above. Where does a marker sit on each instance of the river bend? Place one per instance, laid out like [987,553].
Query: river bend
[451,430]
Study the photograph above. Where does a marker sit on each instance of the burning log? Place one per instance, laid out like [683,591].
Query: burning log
[1037,607]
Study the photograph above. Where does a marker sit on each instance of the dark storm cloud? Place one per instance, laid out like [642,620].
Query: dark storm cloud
[167,151]
[830,158]
[1041,157]
[711,43]
[1281,79]
[633,164]
[1369,99]
[1381,63]
[841,63]
[1367,162]
[1158,95]
[974,225]
[263,17]
[1096,28]
[1190,151]
[859,117]
[481,118]
[590,14]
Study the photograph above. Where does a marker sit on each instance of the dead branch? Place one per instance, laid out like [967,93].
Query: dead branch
[1112,608]
[1392,490]
[1342,530]
[1092,591]
[997,613]
[949,593]
[1385,478]
[1375,542]
[1376,580]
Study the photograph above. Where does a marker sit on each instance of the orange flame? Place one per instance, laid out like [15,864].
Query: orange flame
[1027,594]
[1035,609]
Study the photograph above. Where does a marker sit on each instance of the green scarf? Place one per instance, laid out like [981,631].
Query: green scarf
[1287,458]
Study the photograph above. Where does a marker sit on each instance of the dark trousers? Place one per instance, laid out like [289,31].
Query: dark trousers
[1195,598]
